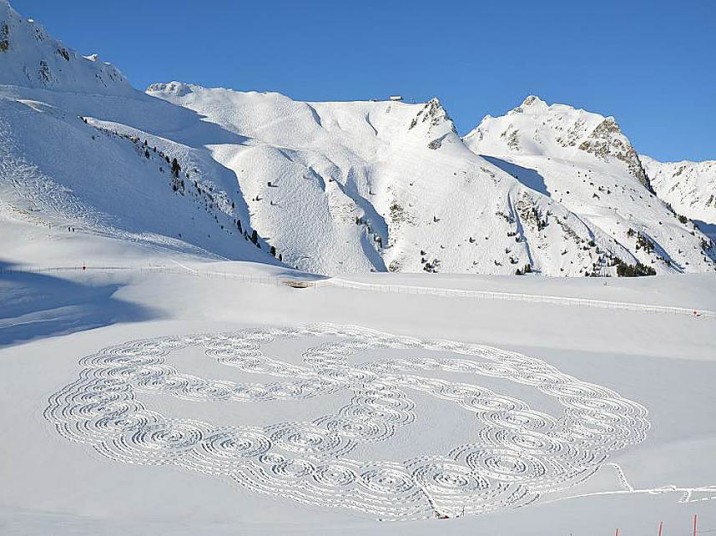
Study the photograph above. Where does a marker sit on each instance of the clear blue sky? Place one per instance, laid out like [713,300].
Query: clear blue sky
[651,64]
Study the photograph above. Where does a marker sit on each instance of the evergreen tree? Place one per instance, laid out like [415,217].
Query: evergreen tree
[176,168]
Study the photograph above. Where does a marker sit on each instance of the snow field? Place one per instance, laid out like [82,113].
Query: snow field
[512,405]
[518,454]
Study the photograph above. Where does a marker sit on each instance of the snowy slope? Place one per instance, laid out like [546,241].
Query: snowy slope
[31,57]
[384,185]
[315,221]
[585,162]
[325,187]
[689,187]
[64,168]
[95,181]
[209,398]
[152,382]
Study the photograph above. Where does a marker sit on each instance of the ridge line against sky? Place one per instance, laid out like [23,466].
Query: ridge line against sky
[650,64]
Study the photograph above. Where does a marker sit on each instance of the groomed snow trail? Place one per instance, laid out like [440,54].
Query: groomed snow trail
[517,453]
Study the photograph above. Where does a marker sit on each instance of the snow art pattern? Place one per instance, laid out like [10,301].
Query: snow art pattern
[518,453]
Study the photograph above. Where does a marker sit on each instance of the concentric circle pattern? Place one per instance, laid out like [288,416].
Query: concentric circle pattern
[516,455]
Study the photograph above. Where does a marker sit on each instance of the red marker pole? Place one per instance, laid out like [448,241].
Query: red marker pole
[616,533]
[694,524]
[661,526]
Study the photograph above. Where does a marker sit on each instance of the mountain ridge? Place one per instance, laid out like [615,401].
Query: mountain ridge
[47,63]
[333,187]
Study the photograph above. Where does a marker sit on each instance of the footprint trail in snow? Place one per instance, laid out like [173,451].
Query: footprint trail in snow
[518,453]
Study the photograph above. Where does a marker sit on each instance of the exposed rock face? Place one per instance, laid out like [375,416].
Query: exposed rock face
[607,141]
[433,115]
[584,161]
[537,128]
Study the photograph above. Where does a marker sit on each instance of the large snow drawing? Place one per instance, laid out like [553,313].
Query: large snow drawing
[517,453]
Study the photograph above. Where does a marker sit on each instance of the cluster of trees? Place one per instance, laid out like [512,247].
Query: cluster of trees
[178,184]
[633,270]
[255,240]
[644,242]
[4,38]
[431,267]
[524,271]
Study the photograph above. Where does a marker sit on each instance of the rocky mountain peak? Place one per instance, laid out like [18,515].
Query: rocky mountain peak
[178,89]
[532,104]
[607,141]
[433,115]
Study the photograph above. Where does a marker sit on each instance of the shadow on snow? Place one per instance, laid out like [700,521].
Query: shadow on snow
[528,177]
[34,306]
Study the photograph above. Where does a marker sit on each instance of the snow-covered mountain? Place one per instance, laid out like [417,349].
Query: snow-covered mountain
[384,185]
[30,57]
[585,162]
[69,159]
[323,187]
[535,128]
[689,187]
[151,383]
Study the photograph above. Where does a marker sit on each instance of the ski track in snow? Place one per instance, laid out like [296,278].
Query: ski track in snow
[519,453]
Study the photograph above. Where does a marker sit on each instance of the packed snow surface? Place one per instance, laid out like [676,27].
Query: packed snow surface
[518,454]
[213,397]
